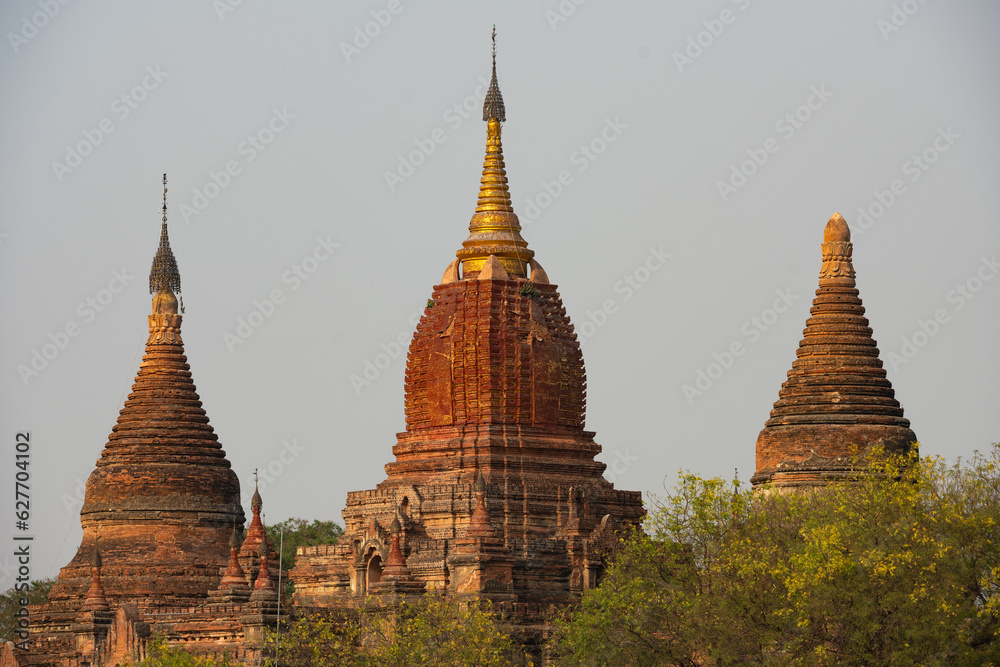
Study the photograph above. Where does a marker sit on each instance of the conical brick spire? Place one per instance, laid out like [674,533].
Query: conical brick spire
[249,552]
[837,399]
[96,600]
[264,581]
[479,525]
[163,496]
[234,577]
[395,564]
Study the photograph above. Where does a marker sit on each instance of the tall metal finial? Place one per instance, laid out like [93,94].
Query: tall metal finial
[493,106]
[164,274]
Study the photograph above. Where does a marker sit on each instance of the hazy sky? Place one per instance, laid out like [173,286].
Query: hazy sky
[673,166]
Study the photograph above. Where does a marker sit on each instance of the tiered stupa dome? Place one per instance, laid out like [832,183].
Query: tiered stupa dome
[837,400]
[494,363]
[163,499]
[494,486]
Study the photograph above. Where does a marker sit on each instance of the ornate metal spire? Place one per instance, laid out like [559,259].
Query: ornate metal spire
[493,106]
[164,274]
[494,228]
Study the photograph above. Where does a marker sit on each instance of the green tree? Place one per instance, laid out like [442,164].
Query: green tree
[317,640]
[159,654]
[900,567]
[438,631]
[13,600]
[293,533]
[301,533]
[430,631]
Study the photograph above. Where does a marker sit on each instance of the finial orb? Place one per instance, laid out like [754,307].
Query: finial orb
[836,230]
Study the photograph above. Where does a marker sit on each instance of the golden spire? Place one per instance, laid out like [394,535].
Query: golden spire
[164,274]
[494,229]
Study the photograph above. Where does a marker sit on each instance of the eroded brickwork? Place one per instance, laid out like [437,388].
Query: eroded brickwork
[494,488]
[837,400]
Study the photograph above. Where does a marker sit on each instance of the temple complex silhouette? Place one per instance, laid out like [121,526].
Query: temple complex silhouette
[493,490]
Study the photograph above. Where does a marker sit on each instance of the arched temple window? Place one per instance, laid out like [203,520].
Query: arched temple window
[374,570]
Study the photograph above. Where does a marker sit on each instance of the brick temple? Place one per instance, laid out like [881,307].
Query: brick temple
[163,547]
[837,401]
[493,490]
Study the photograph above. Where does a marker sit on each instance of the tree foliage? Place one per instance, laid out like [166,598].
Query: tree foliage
[301,533]
[901,567]
[431,631]
[12,602]
[293,533]
[159,654]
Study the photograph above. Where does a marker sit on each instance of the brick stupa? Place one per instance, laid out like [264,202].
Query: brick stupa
[162,500]
[495,393]
[837,401]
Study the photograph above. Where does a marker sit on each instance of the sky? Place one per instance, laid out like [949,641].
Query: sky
[672,164]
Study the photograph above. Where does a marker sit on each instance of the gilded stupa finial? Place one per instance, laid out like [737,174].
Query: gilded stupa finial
[494,229]
[164,274]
